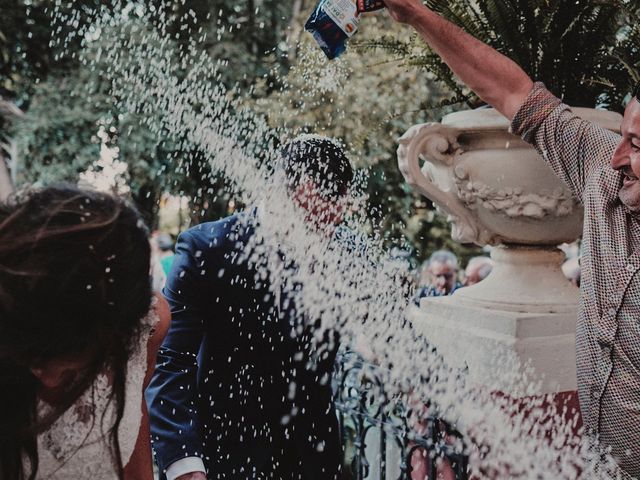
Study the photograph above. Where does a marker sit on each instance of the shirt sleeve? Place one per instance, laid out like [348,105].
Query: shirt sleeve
[574,148]
[185,465]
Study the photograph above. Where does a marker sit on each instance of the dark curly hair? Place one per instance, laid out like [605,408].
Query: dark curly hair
[321,159]
[74,280]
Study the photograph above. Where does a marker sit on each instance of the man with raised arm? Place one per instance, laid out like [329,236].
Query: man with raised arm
[602,169]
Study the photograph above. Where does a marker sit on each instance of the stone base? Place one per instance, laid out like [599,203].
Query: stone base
[516,355]
[498,346]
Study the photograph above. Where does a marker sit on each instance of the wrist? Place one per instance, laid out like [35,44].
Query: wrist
[418,16]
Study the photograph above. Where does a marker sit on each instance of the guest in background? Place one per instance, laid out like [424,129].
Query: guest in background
[439,275]
[161,258]
[477,270]
[165,247]
[571,270]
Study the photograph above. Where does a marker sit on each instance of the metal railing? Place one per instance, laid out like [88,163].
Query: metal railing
[380,441]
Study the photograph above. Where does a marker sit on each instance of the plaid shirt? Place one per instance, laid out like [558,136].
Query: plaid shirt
[608,328]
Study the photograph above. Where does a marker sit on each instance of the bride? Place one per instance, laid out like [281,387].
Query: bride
[79,330]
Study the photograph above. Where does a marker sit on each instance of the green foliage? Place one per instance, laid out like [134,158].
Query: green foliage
[24,50]
[58,139]
[627,49]
[574,47]
[67,102]
[24,56]
[56,147]
[247,35]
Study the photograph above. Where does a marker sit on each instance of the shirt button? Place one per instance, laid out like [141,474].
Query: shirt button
[631,268]
[611,312]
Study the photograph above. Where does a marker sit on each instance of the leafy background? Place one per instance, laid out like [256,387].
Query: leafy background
[52,109]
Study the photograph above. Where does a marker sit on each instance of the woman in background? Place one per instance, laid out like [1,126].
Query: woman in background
[79,328]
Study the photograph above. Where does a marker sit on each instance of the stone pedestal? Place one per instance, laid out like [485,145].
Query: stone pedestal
[520,319]
[514,331]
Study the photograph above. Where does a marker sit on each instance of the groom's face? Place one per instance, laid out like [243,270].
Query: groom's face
[322,211]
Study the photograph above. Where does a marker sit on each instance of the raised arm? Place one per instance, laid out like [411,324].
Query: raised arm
[496,79]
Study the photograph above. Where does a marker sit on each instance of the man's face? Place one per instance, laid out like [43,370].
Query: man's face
[472,274]
[323,212]
[626,158]
[443,277]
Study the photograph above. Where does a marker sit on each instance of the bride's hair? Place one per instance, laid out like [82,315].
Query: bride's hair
[74,280]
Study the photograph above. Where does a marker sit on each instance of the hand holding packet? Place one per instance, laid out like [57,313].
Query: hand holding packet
[333,22]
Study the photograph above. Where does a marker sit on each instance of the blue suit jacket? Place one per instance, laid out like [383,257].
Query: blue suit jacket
[223,388]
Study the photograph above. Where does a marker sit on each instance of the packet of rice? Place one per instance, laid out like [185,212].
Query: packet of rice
[333,22]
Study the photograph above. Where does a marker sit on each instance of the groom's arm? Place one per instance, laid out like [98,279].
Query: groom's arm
[496,79]
[172,394]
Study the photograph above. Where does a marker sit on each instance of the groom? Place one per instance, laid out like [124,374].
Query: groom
[232,396]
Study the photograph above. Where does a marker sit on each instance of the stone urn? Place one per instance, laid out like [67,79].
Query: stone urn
[497,191]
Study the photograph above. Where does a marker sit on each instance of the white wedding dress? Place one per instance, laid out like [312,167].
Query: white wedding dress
[76,446]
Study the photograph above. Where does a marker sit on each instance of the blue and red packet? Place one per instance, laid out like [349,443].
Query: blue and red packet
[333,22]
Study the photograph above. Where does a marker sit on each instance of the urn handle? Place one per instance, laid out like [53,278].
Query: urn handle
[437,145]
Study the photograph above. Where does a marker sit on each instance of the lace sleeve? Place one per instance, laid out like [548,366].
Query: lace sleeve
[76,445]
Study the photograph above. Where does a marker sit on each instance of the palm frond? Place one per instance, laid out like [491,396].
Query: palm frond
[584,50]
